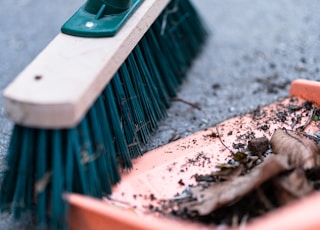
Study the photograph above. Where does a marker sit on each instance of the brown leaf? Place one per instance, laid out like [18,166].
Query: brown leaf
[292,186]
[220,194]
[302,152]
[227,171]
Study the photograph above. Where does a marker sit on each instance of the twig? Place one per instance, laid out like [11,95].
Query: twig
[185,195]
[302,127]
[193,105]
[267,204]
[297,139]
[124,204]
[235,220]
[218,134]
[244,222]
[173,10]
[312,137]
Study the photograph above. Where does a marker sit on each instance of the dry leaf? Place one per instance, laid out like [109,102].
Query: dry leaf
[227,171]
[302,152]
[220,194]
[292,186]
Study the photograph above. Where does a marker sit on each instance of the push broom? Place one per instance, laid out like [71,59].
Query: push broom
[88,102]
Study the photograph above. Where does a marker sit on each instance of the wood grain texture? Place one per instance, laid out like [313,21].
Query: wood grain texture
[58,87]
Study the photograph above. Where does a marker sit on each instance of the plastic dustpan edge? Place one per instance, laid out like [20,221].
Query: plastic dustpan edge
[88,213]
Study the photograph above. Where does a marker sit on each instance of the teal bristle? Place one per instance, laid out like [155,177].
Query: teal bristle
[87,159]
[119,139]
[127,120]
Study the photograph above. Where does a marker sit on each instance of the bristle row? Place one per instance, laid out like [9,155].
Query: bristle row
[43,164]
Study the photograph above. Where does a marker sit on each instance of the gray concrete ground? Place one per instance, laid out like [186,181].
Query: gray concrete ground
[255,49]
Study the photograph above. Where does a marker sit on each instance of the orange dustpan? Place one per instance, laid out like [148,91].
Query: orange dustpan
[165,172]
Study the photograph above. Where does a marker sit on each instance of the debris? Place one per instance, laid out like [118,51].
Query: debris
[174,137]
[302,151]
[224,193]
[227,171]
[193,105]
[269,165]
[292,185]
[243,189]
[258,146]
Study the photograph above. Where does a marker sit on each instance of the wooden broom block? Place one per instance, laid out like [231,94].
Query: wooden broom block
[63,81]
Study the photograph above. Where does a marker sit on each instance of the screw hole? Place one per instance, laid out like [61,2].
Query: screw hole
[37,77]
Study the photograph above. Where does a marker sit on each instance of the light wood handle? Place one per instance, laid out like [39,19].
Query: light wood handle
[62,82]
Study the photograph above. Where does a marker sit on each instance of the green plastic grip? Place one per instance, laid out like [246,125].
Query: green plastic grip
[100,18]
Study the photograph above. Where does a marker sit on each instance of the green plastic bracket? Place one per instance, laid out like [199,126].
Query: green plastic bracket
[100,18]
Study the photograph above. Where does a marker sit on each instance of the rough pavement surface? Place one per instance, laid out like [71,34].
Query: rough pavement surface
[255,49]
